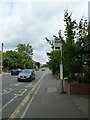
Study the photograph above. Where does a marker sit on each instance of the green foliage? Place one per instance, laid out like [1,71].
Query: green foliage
[75,37]
[38,64]
[44,65]
[82,32]
[27,49]
[70,28]
[18,59]
[54,62]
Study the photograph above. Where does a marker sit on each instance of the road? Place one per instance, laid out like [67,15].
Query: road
[40,98]
[16,95]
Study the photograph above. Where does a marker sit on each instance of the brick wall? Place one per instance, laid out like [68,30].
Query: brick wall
[66,86]
[77,88]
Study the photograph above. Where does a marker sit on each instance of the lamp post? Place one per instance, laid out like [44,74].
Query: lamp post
[1,59]
[1,53]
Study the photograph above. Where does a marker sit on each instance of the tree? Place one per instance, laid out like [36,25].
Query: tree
[82,32]
[27,49]
[12,59]
[55,55]
[75,37]
[54,62]
[69,47]
[82,40]
[18,59]
[38,64]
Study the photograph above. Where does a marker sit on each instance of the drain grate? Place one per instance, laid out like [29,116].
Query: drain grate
[51,89]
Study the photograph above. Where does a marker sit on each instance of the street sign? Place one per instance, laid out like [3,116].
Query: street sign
[56,44]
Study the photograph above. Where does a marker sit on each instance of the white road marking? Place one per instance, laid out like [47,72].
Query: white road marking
[3,92]
[8,103]
[20,92]
[24,113]
[6,91]
[17,84]
[30,85]
[25,100]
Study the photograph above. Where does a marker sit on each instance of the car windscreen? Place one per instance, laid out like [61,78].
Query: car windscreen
[26,71]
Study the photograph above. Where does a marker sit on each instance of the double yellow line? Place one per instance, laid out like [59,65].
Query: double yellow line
[25,100]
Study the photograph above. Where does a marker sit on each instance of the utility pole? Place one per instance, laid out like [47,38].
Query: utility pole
[2,56]
[61,69]
[1,53]
[1,59]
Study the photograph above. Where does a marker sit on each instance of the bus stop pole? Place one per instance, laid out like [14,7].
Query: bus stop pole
[61,71]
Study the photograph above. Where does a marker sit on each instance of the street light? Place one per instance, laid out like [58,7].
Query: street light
[1,53]
[1,59]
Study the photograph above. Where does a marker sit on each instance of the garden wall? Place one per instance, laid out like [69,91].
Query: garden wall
[76,88]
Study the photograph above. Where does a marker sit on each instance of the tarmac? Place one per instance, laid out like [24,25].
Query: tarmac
[48,102]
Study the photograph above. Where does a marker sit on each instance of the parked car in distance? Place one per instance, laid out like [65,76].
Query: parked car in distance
[26,75]
[37,69]
[43,69]
[15,71]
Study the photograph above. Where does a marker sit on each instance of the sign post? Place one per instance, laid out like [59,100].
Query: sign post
[58,46]
[1,53]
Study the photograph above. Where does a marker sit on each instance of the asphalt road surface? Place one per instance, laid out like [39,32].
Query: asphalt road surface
[16,95]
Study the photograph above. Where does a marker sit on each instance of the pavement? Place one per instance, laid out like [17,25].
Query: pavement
[48,102]
[6,73]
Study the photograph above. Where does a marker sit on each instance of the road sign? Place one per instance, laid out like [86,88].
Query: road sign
[56,44]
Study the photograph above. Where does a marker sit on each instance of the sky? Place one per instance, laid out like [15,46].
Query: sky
[30,21]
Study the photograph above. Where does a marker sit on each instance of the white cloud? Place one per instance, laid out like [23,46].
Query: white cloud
[31,21]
